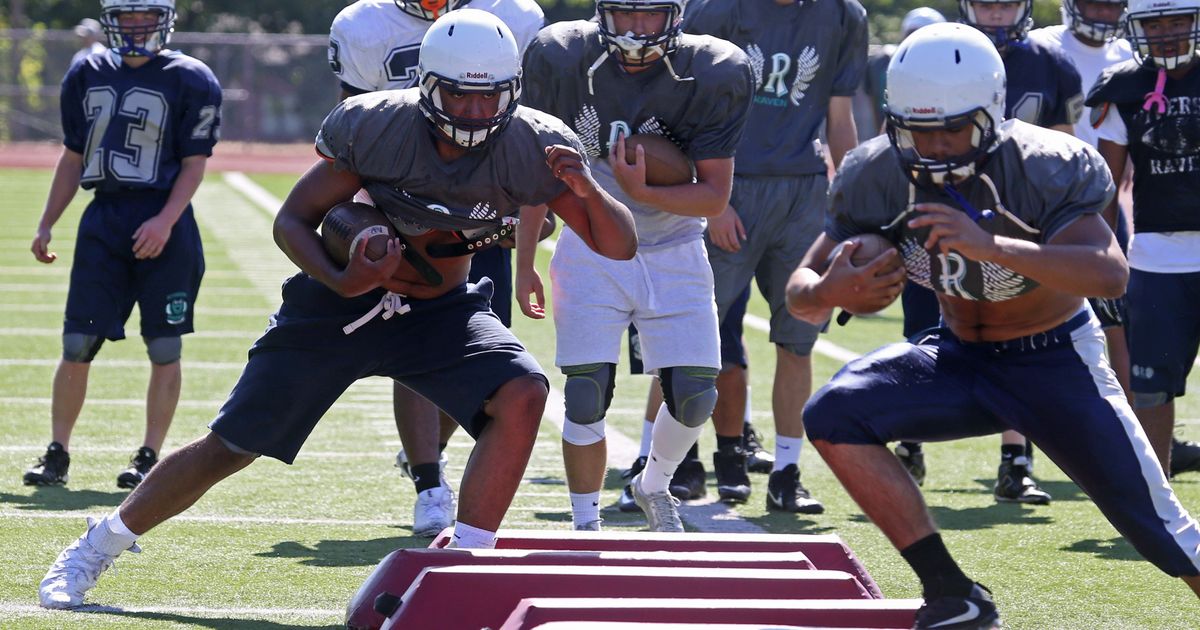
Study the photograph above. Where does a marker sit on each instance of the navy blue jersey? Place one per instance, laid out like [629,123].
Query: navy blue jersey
[1164,147]
[1044,87]
[135,126]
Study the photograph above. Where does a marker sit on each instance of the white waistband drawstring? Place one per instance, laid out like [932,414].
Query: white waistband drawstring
[391,304]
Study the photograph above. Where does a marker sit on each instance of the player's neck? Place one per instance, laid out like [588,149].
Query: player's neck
[135,61]
[448,151]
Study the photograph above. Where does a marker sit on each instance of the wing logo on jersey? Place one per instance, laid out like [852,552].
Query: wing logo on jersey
[916,261]
[807,65]
[587,128]
[757,60]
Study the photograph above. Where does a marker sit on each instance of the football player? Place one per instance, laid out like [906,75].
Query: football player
[373,45]
[631,71]
[450,160]
[808,58]
[1142,109]
[139,123]
[1003,220]
[1043,89]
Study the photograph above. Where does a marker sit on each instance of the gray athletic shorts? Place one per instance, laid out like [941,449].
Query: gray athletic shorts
[783,216]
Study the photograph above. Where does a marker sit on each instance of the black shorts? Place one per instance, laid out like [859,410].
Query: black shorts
[495,264]
[452,350]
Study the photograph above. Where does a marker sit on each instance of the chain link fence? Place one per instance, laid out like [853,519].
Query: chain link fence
[277,88]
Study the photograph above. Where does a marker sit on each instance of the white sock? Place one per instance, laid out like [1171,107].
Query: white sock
[467,537]
[672,440]
[647,433]
[787,451]
[746,415]
[111,535]
[585,507]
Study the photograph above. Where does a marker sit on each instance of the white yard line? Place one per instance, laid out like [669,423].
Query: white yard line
[190,611]
[58,308]
[200,334]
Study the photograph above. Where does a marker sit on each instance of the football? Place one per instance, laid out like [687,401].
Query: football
[348,223]
[666,164]
[870,247]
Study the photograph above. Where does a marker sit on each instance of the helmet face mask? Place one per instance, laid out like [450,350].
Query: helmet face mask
[469,52]
[1001,35]
[125,39]
[428,10]
[640,50]
[1088,28]
[939,171]
[1148,43]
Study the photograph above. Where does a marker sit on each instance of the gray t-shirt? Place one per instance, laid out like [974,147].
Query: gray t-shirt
[801,55]
[384,138]
[1043,181]
[704,114]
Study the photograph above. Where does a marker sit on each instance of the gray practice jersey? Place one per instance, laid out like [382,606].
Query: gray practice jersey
[385,139]
[801,55]
[704,113]
[1035,183]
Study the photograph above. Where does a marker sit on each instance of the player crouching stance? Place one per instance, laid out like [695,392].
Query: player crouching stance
[1002,220]
[392,317]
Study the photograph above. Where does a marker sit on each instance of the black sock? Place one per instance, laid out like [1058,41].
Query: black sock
[1029,450]
[442,446]
[694,452]
[1009,452]
[425,476]
[724,442]
[913,447]
[938,572]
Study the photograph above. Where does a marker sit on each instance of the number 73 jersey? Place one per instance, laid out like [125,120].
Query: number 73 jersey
[135,126]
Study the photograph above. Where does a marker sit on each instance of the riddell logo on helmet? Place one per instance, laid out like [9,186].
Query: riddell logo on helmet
[924,110]
[477,75]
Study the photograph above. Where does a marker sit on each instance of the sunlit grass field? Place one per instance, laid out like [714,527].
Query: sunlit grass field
[281,546]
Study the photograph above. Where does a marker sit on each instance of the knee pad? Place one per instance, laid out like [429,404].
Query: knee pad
[589,391]
[582,434]
[80,348]
[690,393]
[163,350]
[1142,401]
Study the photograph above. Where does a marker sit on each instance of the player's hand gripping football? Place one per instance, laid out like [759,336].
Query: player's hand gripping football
[41,246]
[363,274]
[859,289]
[726,230]
[951,228]
[566,164]
[631,177]
[151,237]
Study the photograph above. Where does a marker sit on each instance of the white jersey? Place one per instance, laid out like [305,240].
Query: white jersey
[1089,61]
[373,45]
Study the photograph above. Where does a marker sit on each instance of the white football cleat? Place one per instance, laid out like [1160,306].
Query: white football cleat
[662,511]
[434,511]
[75,571]
[590,526]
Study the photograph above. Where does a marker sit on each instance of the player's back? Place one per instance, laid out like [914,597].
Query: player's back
[1090,61]
[1044,87]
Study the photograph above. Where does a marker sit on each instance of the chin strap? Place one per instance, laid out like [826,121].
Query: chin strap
[630,45]
[1156,100]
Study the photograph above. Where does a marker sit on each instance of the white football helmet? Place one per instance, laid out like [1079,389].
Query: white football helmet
[122,38]
[640,50]
[918,17]
[471,51]
[944,76]
[1001,36]
[1135,32]
[1096,31]
[429,9]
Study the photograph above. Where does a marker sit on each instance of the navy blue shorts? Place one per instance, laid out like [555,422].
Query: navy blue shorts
[495,264]
[1053,387]
[921,309]
[106,279]
[452,350]
[733,351]
[1163,330]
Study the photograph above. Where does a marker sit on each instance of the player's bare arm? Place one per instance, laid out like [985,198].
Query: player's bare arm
[151,236]
[819,284]
[1116,156]
[318,190]
[708,196]
[604,223]
[67,173]
[840,128]
[528,280]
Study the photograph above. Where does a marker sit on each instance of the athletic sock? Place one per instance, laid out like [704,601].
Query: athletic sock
[694,452]
[672,441]
[912,447]
[585,507]
[647,434]
[1010,452]
[467,537]
[111,536]
[939,574]
[426,476]
[726,442]
[787,451]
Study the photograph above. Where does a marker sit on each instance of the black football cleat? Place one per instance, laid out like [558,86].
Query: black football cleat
[976,611]
[687,484]
[733,484]
[758,459]
[1185,456]
[50,469]
[914,462]
[785,493]
[626,503]
[139,467]
[1015,485]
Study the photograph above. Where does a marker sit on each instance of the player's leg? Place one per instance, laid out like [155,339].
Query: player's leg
[588,394]
[625,502]
[731,460]
[418,424]
[1014,476]
[901,392]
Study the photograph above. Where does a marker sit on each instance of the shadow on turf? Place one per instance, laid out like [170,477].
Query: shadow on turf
[343,553]
[1116,548]
[63,499]
[203,622]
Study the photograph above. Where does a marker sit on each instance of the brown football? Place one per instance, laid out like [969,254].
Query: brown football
[666,164]
[348,223]
[870,247]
